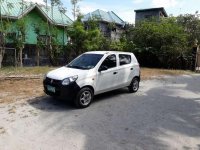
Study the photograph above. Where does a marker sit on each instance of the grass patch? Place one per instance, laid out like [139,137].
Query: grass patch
[7,71]
[148,73]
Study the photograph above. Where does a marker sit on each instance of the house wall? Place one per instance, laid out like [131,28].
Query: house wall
[35,19]
[32,19]
[116,35]
[147,14]
[104,28]
[107,32]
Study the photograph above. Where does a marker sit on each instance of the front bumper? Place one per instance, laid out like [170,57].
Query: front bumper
[64,92]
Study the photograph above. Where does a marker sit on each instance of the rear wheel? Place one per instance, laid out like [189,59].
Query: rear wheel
[134,86]
[84,98]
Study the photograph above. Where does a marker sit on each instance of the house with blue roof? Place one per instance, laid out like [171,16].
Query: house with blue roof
[110,24]
[36,15]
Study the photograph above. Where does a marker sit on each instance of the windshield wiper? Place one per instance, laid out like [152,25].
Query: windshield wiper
[76,67]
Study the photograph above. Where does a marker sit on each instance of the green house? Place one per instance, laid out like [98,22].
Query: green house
[40,21]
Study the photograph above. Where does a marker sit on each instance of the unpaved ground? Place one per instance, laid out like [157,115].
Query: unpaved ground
[13,90]
[163,115]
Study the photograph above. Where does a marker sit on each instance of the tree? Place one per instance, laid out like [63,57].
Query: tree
[19,40]
[52,44]
[158,43]
[4,27]
[40,29]
[191,25]
[82,40]
[75,9]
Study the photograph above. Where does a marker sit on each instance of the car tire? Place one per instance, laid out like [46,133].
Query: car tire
[84,98]
[134,86]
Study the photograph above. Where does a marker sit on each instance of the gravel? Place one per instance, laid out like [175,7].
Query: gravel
[163,115]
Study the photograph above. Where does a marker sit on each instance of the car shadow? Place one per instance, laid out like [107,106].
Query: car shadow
[48,103]
[112,94]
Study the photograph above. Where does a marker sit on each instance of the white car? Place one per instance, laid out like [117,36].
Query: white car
[93,73]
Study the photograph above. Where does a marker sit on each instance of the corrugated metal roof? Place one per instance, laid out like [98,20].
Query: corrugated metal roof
[104,16]
[13,9]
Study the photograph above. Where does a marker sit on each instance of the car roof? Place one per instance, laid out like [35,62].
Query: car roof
[107,52]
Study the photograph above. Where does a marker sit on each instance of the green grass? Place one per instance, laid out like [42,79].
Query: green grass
[146,72]
[24,70]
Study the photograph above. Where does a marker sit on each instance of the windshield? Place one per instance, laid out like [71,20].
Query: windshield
[85,61]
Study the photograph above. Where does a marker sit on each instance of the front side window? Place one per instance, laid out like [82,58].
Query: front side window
[124,59]
[85,61]
[110,62]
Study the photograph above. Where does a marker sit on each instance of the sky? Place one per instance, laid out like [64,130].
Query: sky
[125,8]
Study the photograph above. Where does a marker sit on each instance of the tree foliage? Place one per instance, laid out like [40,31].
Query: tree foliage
[82,39]
[157,43]
[191,25]
[20,38]
[75,9]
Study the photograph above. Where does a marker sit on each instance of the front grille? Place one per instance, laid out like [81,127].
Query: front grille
[54,82]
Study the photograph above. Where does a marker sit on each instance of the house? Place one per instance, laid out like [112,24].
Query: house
[110,24]
[149,13]
[40,19]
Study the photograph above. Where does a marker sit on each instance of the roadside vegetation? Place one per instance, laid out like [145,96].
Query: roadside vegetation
[24,71]
[165,43]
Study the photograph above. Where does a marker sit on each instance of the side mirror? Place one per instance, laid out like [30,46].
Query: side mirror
[103,68]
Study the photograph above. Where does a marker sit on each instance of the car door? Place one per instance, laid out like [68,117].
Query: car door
[107,74]
[125,73]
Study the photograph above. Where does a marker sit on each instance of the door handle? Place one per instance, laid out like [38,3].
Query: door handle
[114,72]
[131,68]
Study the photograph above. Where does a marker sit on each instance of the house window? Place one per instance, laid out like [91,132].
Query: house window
[11,35]
[148,16]
[114,29]
[44,39]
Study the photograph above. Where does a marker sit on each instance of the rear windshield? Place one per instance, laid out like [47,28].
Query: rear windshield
[85,61]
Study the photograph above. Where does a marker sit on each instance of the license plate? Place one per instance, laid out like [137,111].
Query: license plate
[51,88]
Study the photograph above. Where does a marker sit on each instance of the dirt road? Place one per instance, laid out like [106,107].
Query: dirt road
[163,114]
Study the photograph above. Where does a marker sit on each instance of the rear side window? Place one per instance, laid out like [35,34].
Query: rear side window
[124,59]
[110,62]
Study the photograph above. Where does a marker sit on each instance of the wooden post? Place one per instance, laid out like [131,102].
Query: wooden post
[1,57]
[15,58]
[197,62]
[20,57]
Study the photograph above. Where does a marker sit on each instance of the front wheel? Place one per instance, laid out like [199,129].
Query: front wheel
[84,98]
[134,86]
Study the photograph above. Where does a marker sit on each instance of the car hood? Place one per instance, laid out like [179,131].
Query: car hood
[65,72]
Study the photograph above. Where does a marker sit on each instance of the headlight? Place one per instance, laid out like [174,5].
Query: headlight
[69,80]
